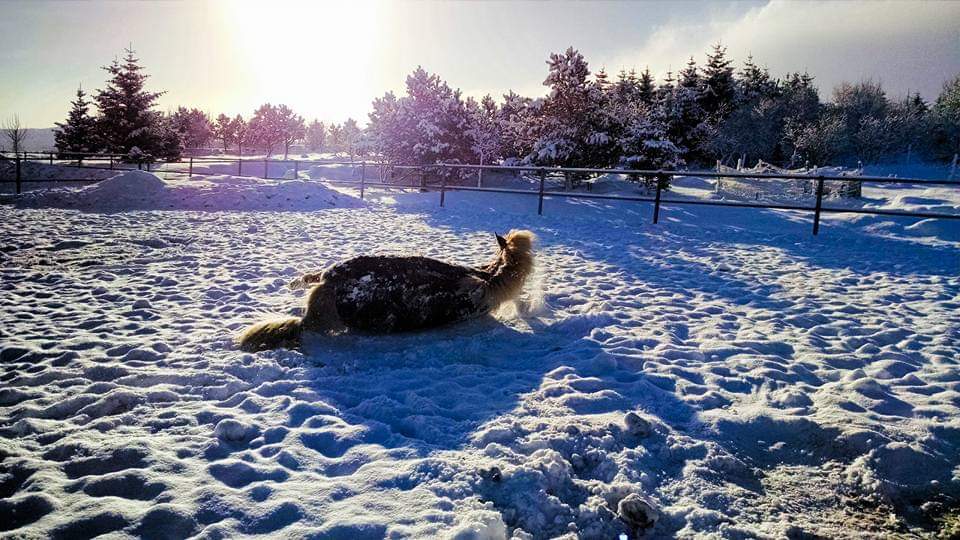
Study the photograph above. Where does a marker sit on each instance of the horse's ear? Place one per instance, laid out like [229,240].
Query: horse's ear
[501,240]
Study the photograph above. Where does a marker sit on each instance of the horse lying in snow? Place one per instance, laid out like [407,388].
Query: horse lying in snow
[395,294]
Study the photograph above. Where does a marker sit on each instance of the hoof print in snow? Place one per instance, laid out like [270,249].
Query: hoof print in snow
[637,425]
[231,430]
[637,512]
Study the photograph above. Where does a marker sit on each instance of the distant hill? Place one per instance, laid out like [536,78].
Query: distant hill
[38,140]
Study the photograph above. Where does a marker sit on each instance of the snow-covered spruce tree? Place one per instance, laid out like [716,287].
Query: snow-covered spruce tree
[647,88]
[753,129]
[574,127]
[945,121]
[718,85]
[224,131]
[316,136]
[166,130]
[516,127]
[800,108]
[486,140]
[194,127]
[127,118]
[680,108]
[643,142]
[350,137]
[427,125]
[335,140]
[78,133]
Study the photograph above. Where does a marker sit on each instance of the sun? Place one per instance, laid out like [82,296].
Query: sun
[318,57]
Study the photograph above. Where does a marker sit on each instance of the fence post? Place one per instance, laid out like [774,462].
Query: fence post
[139,164]
[19,178]
[80,161]
[443,188]
[51,158]
[296,169]
[240,166]
[111,162]
[361,186]
[656,203]
[816,211]
[543,176]
[363,170]
[423,179]
[190,171]
[265,165]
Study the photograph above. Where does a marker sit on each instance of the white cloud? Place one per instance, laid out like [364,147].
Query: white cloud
[909,46]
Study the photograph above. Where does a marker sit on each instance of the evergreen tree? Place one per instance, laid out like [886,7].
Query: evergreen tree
[516,126]
[647,87]
[689,77]
[574,128]
[719,87]
[224,130]
[194,127]
[316,136]
[484,130]
[351,137]
[78,133]
[241,133]
[754,84]
[427,125]
[126,117]
[946,120]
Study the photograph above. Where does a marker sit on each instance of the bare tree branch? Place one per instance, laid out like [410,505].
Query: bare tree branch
[14,132]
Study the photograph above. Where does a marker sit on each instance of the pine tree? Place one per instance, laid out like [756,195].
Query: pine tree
[241,133]
[194,127]
[646,87]
[689,77]
[351,135]
[754,84]
[719,87]
[316,136]
[574,127]
[78,133]
[224,131]
[126,116]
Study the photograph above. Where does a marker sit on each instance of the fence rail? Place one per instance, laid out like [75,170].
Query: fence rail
[418,176]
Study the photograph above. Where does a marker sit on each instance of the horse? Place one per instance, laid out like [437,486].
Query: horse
[386,294]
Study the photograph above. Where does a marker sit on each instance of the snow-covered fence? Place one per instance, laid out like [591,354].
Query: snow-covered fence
[390,176]
[770,189]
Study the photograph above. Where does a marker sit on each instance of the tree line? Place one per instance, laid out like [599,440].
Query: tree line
[126,122]
[695,117]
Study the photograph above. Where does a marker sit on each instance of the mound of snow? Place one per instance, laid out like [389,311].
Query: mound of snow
[140,190]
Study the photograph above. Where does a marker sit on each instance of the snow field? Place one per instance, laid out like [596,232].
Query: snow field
[724,372]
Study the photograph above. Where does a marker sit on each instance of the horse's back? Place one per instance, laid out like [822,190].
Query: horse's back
[398,293]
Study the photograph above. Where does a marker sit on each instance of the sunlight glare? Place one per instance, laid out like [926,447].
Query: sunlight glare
[316,57]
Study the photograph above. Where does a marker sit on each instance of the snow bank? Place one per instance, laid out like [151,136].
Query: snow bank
[140,190]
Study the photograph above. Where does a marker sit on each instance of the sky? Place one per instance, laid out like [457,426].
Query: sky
[328,60]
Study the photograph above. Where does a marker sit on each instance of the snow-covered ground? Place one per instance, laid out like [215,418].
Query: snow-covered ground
[724,370]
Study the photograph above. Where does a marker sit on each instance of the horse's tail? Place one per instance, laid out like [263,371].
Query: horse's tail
[282,333]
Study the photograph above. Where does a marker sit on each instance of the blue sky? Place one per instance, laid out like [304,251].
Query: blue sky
[328,60]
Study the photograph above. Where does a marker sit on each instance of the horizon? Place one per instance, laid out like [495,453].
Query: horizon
[239,68]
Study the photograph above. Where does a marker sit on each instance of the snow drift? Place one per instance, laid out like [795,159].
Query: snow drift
[140,190]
